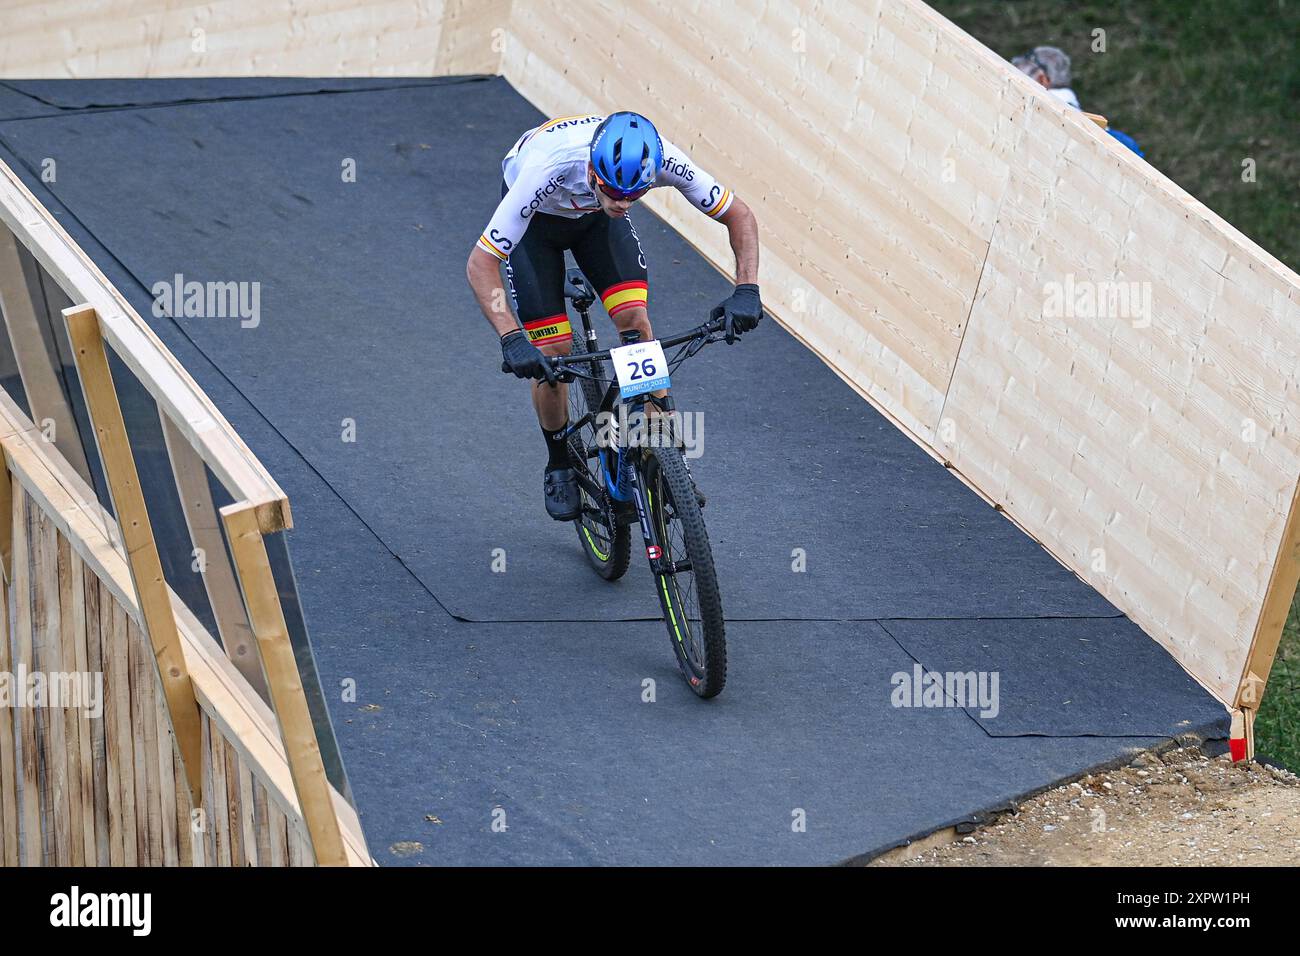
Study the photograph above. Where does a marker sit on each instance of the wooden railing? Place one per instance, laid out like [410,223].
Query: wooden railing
[186,763]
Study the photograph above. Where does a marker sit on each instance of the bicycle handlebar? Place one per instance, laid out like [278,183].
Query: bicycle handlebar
[559,362]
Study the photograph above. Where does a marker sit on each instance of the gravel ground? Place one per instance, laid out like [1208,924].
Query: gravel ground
[1179,808]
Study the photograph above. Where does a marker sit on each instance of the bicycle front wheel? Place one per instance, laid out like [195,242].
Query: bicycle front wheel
[688,587]
[607,544]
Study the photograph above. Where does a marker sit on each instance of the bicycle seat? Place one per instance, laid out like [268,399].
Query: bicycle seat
[577,288]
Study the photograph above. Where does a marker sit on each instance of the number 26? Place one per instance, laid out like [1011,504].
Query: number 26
[642,369]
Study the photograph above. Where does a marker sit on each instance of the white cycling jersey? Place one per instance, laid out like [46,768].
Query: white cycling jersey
[546,171]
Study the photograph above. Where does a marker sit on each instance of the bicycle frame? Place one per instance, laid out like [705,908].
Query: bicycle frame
[628,479]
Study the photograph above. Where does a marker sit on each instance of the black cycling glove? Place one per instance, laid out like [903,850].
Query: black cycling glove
[742,310]
[524,358]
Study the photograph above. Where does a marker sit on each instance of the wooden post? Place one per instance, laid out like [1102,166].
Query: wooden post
[151,588]
[1239,736]
[290,703]
[8,767]
[6,521]
[218,576]
[1279,594]
[29,799]
[36,366]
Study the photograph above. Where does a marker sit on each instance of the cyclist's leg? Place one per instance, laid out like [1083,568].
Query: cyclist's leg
[535,278]
[609,254]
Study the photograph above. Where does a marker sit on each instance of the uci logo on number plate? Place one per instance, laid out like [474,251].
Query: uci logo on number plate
[641,368]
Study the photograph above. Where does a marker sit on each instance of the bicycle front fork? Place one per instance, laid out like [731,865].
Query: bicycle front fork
[639,502]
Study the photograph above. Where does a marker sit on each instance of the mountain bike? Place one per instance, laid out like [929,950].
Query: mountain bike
[635,474]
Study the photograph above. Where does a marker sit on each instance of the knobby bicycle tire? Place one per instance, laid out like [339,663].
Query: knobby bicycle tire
[692,609]
[611,556]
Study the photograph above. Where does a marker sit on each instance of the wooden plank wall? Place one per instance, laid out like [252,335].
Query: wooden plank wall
[246,728]
[131,38]
[916,195]
[107,790]
[111,789]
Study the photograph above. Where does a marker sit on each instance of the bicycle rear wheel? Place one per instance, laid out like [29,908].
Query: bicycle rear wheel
[688,591]
[607,544]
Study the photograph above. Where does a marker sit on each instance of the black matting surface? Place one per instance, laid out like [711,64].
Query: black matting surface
[1062,678]
[96,94]
[365,315]
[14,104]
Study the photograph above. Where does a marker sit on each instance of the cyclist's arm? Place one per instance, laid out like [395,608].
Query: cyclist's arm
[717,202]
[503,233]
[742,228]
[483,272]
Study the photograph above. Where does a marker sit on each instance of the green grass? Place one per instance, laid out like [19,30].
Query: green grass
[1277,727]
[1202,85]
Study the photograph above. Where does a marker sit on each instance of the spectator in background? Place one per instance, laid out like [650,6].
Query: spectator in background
[1049,66]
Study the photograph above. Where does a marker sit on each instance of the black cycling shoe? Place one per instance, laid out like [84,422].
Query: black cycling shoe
[563,501]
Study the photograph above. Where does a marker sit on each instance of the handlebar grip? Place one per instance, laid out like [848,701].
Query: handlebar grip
[505,367]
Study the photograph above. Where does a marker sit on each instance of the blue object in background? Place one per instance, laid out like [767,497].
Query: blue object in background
[1127,140]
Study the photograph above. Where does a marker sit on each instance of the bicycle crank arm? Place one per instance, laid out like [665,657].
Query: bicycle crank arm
[589,486]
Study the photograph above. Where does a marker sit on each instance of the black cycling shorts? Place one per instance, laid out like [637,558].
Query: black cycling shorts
[607,251]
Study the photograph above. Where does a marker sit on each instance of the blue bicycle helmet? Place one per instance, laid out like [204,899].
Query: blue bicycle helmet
[626,153]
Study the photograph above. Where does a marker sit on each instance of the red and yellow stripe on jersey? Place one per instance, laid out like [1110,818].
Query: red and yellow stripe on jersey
[625,295]
[551,330]
[717,208]
[487,245]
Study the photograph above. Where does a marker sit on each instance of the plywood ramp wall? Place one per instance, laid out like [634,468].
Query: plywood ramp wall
[917,199]
[132,38]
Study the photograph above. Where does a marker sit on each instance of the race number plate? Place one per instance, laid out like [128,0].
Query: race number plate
[641,367]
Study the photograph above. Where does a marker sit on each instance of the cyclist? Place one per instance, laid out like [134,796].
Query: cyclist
[569,185]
